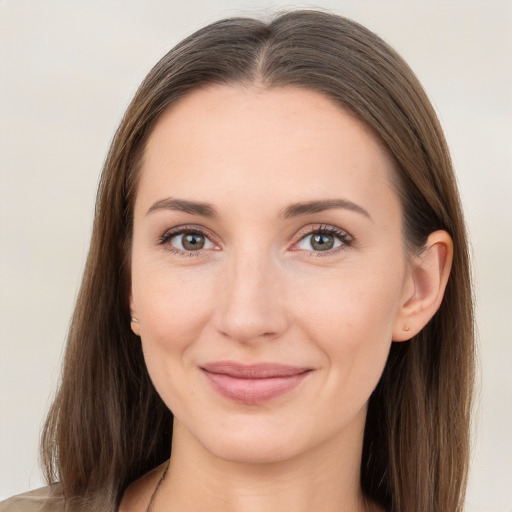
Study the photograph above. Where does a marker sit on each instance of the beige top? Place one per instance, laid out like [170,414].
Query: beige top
[45,499]
[50,498]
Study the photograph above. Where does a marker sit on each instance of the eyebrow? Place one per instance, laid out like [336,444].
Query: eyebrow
[181,205]
[293,210]
[309,207]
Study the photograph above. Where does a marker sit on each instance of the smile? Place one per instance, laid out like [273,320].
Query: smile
[253,384]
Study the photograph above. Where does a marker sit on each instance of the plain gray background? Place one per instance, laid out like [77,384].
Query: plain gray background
[69,69]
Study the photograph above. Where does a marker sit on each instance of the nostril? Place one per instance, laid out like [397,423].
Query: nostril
[250,305]
[250,328]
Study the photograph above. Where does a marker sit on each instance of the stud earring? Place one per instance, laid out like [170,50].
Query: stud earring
[134,320]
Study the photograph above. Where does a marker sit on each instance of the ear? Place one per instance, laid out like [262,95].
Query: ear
[134,319]
[424,291]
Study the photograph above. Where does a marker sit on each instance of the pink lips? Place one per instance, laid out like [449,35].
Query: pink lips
[253,384]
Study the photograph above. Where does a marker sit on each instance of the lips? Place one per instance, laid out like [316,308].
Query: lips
[253,384]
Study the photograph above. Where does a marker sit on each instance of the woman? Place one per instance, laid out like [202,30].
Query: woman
[279,258]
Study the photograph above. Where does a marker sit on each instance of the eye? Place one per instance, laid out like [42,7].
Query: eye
[324,239]
[191,242]
[187,241]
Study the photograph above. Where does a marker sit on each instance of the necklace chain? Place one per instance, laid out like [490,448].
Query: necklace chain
[149,508]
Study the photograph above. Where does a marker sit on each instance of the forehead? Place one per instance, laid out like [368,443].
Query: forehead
[249,140]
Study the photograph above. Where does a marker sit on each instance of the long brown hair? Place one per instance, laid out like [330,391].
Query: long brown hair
[108,426]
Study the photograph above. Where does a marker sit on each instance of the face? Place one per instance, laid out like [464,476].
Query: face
[268,269]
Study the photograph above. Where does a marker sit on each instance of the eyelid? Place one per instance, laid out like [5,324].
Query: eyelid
[345,238]
[184,229]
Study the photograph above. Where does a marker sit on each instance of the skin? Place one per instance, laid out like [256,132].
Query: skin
[259,291]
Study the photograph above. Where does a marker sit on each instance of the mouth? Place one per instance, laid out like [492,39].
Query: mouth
[253,384]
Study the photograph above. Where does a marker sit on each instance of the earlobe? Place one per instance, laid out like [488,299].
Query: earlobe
[134,321]
[430,271]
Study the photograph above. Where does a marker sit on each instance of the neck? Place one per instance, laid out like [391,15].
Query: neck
[325,478]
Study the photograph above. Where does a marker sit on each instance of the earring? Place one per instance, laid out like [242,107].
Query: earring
[134,320]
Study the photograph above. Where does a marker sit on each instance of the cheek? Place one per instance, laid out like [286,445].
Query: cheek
[173,306]
[351,319]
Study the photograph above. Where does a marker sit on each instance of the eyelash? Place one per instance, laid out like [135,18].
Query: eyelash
[345,239]
[182,230]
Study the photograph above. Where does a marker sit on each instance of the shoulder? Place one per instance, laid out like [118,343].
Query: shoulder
[45,499]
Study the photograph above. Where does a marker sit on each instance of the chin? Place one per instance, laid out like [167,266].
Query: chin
[254,450]
[253,442]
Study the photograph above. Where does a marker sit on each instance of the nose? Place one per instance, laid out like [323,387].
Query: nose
[251,305]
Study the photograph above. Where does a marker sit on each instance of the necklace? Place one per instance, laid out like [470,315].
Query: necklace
[149,508]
